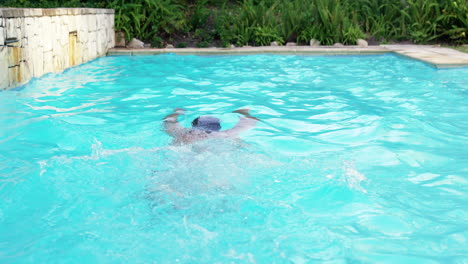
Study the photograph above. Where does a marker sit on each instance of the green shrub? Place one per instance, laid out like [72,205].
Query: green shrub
[199,16]
[202,44]
[157,42]
[203,35]
[146,18]
[264,36]
[259,22]
[181,45]
[381,19]
[423,17]
[454,21]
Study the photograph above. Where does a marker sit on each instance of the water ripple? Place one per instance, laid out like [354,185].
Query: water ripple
[357,159]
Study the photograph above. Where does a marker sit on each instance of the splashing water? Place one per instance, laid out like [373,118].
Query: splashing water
[357,159]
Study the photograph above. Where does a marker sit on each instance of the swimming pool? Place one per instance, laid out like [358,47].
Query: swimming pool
[358,159]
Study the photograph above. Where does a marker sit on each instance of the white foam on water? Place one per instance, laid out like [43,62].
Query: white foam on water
[353,177]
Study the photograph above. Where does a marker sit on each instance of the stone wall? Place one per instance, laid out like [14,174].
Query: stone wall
[34,42]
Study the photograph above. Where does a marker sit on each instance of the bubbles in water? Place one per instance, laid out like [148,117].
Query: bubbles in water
[353,155]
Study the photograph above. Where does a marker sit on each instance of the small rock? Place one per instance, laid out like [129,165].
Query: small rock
[291,44]
[362,43]
[169,46]
[232,46]
[147,45]
[274,43]
[136,44]
[338,45]
[314,43]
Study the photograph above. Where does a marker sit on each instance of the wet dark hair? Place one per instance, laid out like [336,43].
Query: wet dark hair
[206,123]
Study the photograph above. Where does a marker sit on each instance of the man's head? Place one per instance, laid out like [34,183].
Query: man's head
[206,123]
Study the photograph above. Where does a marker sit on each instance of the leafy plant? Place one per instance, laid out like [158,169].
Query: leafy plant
[311,32]
[202,44]
[454,21]
[258,22]
[199,16]
[203,35]
[263,36]
[157,42]
[424,17]
[146,18]
[181,45]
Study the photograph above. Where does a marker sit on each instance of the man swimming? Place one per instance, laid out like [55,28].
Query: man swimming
[205,127]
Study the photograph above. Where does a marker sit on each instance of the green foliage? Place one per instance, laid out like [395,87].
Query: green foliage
[381,19]
[423,17]
[123,16]
[421,21]
[249,23]
[335,23]
[145,19]
[157,42]
[310,32]
[203,35]
[181,45]
[263,36]
[454,21]
[203,44]
[259,22]
[294,22]
[199,16]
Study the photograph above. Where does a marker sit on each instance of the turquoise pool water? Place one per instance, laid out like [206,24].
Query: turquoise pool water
[358,159]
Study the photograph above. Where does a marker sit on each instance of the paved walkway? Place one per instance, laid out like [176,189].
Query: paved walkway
[436,56]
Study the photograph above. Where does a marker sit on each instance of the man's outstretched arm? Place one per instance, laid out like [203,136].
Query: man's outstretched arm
[246,122]
[171,125]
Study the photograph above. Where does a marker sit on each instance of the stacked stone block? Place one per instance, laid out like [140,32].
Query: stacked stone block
[3,55]
[43,40]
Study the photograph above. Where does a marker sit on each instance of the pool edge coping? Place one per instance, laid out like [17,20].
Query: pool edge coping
[426,54]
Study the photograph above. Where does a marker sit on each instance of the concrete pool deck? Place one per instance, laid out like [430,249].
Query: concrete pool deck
[436,56]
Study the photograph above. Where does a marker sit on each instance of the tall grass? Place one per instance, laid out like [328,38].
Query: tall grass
[260,23]
[148,19]
[381,19]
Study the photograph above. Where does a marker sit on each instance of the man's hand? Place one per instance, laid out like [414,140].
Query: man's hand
[173,117]
[245,112]
[242,111]
[180,111]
